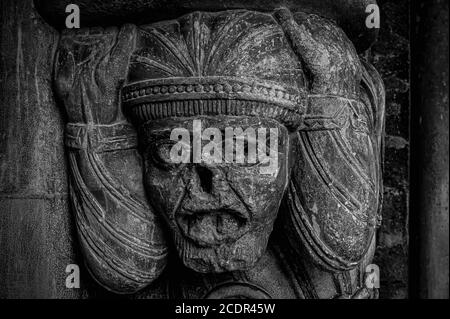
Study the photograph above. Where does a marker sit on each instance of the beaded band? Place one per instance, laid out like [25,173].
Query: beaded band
[195,96]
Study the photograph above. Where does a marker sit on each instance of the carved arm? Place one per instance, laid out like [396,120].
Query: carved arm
[336,187]
[120,237]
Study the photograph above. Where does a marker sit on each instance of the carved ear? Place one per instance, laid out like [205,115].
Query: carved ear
[325,50]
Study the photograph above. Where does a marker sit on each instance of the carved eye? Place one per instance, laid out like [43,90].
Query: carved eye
[264,147]
[249,153]
[159,152]
[163,152]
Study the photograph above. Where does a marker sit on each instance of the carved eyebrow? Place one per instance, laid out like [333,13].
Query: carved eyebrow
[161,132]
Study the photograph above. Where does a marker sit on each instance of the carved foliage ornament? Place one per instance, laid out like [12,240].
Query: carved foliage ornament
[124,90]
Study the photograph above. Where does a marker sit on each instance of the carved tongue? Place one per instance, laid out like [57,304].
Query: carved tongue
[214,228]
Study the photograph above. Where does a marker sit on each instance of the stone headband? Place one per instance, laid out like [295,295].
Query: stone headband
[213,95]
[193,96]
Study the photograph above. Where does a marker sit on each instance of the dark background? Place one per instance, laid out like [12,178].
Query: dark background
[390,56]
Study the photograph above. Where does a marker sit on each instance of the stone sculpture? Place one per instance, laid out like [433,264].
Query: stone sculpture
[224,230]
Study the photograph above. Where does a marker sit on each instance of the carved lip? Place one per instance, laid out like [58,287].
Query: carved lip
[213,227]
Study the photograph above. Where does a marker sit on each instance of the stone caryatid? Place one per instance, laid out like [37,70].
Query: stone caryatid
[224,230]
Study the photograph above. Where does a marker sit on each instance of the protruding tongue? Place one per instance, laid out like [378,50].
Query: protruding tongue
[214,228]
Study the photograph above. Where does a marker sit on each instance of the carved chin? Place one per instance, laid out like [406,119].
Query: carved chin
[240,254]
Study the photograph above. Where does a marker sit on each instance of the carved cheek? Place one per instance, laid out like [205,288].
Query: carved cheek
[261,194]
[274,185]
[164,187]
[269,200]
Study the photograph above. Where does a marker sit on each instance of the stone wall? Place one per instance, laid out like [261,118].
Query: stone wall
[35,227]
[390,55]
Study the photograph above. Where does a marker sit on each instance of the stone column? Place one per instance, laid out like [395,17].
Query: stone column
[35,224]
[429,158]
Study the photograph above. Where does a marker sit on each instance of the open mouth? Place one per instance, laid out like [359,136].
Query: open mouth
[212,227]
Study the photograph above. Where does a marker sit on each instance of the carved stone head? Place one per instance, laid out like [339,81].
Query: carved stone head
[235,71]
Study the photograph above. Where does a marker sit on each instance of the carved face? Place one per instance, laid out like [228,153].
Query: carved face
[220,214]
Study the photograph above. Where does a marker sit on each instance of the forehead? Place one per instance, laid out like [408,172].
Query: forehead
[219,122]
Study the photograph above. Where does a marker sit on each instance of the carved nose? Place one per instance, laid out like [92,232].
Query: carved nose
[208,190]
[205,179]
